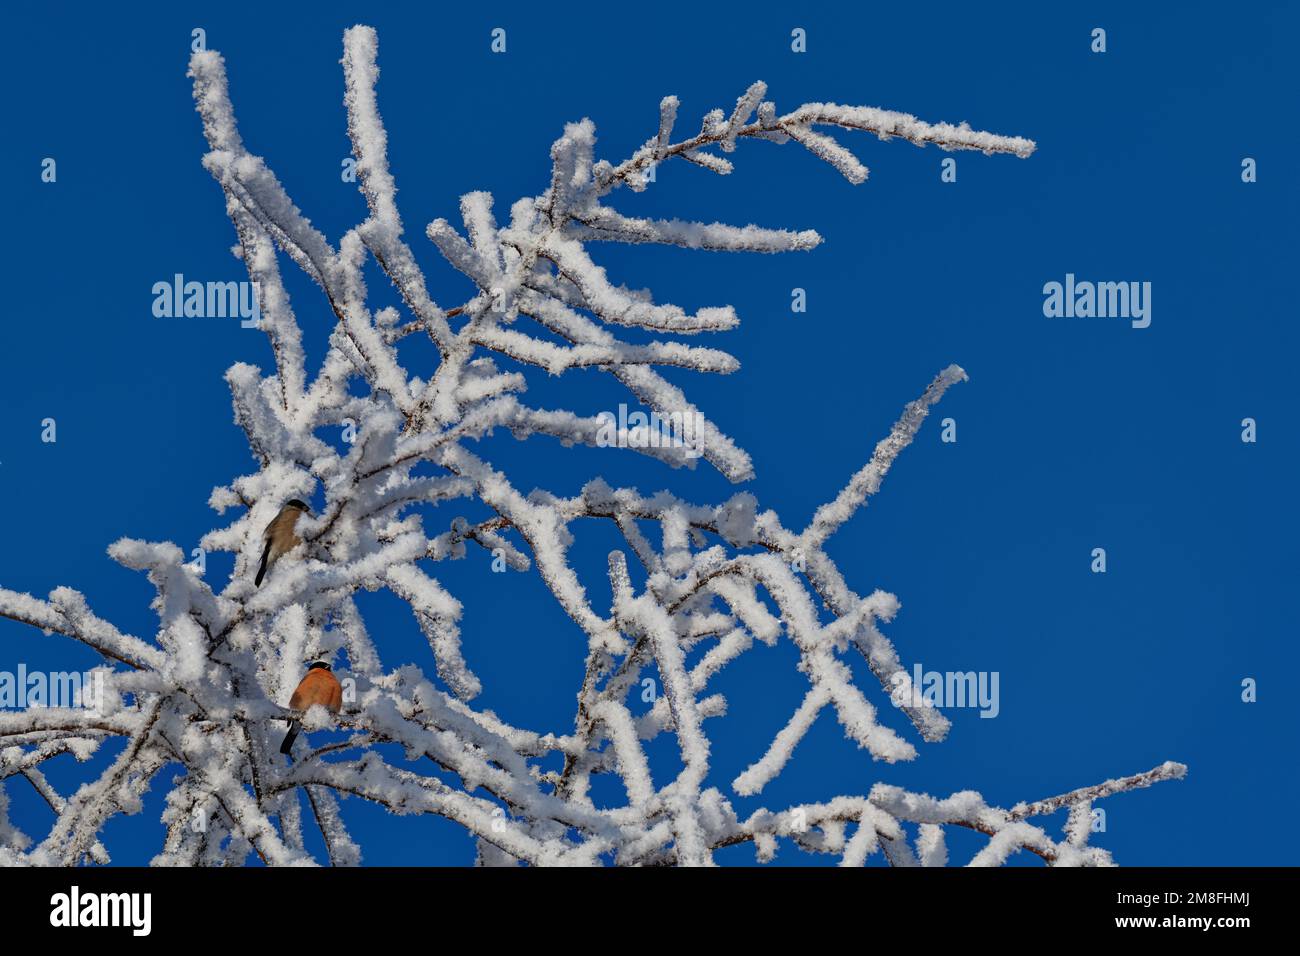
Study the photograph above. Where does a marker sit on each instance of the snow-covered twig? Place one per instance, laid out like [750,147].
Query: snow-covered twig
[208,694]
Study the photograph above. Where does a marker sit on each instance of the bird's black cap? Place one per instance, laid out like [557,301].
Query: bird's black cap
[317,664]
[298,503]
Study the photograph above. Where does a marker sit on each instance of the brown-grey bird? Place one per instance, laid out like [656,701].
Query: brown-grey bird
[318,687]
[280,535]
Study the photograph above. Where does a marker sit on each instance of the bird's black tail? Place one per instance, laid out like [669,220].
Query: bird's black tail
[290,737]
[261,571]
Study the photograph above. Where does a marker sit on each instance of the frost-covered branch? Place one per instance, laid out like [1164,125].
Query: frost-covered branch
[202,704]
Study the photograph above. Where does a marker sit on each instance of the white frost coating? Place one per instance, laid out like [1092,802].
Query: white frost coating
[609,225]
[753,779]
[867,481]
[931,850]
[886,123]
[200,705]
[631,758]
[823,147]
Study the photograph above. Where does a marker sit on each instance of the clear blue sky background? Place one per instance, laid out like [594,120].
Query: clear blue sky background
[1073,433]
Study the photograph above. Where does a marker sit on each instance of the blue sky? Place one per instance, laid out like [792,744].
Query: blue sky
[1073,434]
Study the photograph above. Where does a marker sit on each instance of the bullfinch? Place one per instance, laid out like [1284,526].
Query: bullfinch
[280,536]
[318,687]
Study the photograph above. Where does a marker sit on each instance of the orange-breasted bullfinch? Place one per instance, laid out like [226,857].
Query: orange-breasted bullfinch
[280,536]
[318,687]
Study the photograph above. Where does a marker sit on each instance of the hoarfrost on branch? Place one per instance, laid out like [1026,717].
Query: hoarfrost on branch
[200,705]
